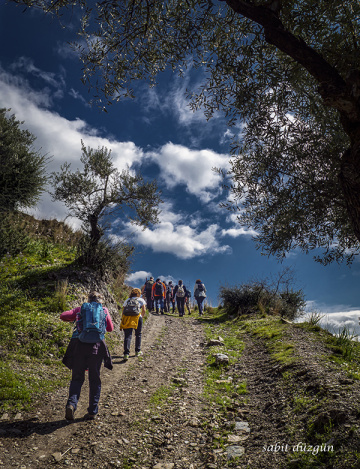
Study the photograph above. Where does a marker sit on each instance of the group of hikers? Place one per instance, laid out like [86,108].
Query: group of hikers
[162,296]
[87,348]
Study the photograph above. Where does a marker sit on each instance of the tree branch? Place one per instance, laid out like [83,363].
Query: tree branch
[333,88]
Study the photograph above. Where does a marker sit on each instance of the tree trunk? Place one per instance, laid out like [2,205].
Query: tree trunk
[95,230]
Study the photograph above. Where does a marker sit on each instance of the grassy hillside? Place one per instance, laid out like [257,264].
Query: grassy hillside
[34,290]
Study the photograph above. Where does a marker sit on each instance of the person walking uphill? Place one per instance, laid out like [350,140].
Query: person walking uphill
[147,289]
[158,294]
[132,318]
[200,295]
[179,294]
[86,351]
[169,299]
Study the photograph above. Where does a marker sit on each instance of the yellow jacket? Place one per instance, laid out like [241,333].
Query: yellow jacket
[129,322]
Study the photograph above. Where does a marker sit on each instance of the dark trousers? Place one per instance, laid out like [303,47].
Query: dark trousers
[180,305]
[167,303]
[128,336]
[149,301]
[87,357]
[200,300]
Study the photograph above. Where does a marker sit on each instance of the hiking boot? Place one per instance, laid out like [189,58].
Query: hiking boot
[162,312]
[69,412]
[138,354]
[89,416]
[126,357]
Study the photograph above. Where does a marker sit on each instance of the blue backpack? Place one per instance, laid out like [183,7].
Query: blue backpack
[91,323]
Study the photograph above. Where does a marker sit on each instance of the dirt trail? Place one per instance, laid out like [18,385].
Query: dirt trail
[170,346]
[146,421]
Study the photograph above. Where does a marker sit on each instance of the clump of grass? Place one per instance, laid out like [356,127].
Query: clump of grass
[344,342]
[60,300]
[314,318]
[161,396]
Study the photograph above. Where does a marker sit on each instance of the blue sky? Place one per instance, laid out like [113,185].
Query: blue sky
[159,135]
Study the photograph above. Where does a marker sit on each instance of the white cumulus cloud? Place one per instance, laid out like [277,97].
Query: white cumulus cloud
[236,232]
[137,278]
[180,240]
[192,168]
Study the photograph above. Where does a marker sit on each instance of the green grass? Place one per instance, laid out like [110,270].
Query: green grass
[345,351]
[219,389]
[161,395]
[273,331]
[20,386]
[32,337]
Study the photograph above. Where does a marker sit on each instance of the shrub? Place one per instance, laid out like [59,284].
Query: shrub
[104,256]
[277,298]
[13,239]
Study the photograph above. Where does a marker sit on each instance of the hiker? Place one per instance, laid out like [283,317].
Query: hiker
[86,351]
[169,299]
[158,295]
[187,300]
[179,294]
[166,309]
[200,295]
[132,318]
[172,298]
[147,289]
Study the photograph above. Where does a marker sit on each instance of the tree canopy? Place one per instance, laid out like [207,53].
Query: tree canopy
[22,177]
[287,71]
[99,190]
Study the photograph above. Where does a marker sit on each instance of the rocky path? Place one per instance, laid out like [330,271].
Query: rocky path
[153,413]
[133,394]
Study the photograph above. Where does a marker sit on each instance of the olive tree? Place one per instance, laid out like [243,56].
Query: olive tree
[99,191]
[287,71]
[23,169]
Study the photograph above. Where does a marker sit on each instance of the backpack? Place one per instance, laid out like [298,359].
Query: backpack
[180,291]
[132,307]
[159,288]
[91,323]
[200,290]
[169,290]
[148,285]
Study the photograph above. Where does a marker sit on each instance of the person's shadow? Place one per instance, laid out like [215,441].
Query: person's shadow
[120,357]
[25,428]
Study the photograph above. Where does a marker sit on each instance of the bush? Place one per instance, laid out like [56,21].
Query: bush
[13,239]
[241,299]
[104,256]
[277,298]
